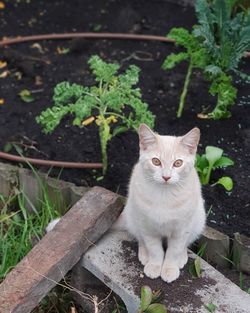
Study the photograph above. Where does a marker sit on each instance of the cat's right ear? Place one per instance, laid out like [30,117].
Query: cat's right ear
[146,136]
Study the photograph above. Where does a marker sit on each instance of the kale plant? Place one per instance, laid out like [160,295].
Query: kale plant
[113,99]
[216,46]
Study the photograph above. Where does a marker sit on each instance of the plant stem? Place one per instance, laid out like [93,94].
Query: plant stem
[185,89]
[104,138]
[207,178]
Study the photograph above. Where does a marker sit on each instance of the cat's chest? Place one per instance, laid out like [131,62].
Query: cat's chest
[160,209]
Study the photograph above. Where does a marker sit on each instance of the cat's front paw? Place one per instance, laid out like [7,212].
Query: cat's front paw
[152,270]
[169,274]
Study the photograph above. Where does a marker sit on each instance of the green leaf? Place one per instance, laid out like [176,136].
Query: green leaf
[223,162]
[181,36]
[7,147]
[197,266]
[97,27]
[103,71]
[77,121]
[174,59]
[119,130]
[226,182]
[26,96]
[210,307]
[201,163]
[156,308]
[226,95]
[213,154]
[212,70]
[146,297]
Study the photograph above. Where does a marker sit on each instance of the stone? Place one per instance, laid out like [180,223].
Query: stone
[114,261]
[241,252]
[216,247]
[8,179]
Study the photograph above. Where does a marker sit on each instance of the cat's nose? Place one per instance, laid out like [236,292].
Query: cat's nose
[166,178]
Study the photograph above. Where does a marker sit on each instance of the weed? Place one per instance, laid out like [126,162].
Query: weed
[19,229]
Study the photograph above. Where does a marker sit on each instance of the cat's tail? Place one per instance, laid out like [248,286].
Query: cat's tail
[120,224]
[52,224]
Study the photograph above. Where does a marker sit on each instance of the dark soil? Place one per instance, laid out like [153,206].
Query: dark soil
[230,211]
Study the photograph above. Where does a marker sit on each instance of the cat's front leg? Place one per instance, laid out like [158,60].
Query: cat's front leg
[154,248]
[142,253]
[175,259]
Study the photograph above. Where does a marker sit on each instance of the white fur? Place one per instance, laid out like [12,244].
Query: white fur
[52,224]
[157,209]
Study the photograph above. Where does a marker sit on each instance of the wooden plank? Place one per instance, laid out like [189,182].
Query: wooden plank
[59,250]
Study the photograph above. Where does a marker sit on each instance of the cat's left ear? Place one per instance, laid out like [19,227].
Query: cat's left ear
[191,140]
[146,136]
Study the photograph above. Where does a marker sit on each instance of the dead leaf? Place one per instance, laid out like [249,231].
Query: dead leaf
[38,80]
[62,50]
[4,74]
[88,121]
[1,101]
[2,5]
[3,64]
[18,75]
[73,309]
[38,47]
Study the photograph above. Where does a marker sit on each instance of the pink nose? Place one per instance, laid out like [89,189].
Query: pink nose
[166,178]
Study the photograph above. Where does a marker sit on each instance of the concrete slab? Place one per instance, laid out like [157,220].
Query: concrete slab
[114,261]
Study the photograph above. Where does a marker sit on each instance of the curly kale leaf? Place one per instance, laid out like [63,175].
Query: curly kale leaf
[195,53]
[130,77]
[65,93]
[182,37]
[51,118]
[103,71]
[173,59]
[226,95]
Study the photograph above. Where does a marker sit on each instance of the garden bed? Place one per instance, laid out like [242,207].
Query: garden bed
[230,211]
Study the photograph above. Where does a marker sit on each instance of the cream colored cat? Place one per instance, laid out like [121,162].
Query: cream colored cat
[164,202]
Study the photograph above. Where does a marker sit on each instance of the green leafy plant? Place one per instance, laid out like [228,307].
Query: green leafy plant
[195,266]
[26,96]
[113,99]
[211,160]
[211,307]
[216,46]
[149,301]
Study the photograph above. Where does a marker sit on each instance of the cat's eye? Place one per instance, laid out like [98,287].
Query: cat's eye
[178,163]
[156,162]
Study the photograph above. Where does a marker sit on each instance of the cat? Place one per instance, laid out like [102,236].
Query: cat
[164,202]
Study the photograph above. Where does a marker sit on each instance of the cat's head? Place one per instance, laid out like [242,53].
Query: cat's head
[167,159]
